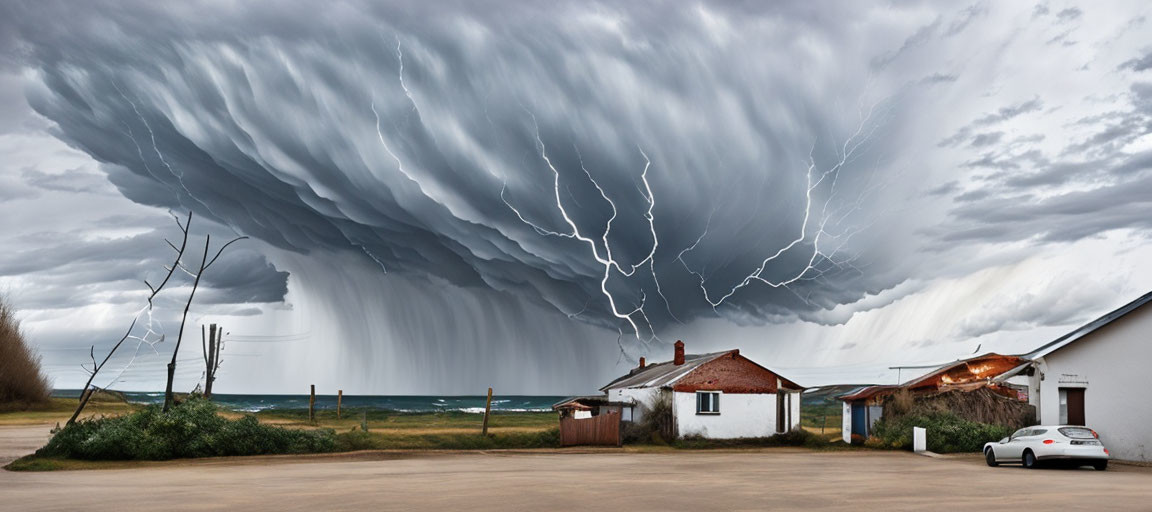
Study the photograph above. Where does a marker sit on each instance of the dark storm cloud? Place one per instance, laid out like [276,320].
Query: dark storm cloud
[69,180]
[1069,14]
[920,38]
[946,189]
[74,269]
[1026,188]
[1010,111]
[1118,195]
[1142,63]
[986,139]
[304,131]
[965,17]
[937,78]
[992,118]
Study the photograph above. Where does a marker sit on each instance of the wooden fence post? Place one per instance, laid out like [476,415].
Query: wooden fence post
[339,399]
[487,411]
[312,405]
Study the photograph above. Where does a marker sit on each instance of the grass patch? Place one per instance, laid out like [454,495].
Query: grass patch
[448,430]
[190,429]
[827,416]
[353,440]
[58,410]
[425,422]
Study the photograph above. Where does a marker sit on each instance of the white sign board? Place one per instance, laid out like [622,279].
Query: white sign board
[919,440]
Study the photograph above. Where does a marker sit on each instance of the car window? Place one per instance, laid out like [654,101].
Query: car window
[1037,431]
[1077,432]
[1020,433]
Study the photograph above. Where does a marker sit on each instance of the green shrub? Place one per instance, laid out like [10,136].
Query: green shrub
[190,429]
[946,433]
[796,437]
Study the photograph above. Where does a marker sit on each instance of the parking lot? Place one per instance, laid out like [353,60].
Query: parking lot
[775,479]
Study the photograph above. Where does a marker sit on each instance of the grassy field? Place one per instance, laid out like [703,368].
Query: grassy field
[395,422]
[387,430]
[451,430]
[58,410]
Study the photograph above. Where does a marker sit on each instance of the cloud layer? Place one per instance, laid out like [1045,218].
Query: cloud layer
[635,168]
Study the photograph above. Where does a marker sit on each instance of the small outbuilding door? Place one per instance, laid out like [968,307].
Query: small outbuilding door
[860,419]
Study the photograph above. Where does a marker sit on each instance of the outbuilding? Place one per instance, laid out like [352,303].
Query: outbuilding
[1005,375]
[863,406]
[1098,376]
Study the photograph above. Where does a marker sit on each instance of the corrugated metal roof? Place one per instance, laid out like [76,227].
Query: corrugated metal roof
[587,401]
[955,364]
[662,374]
[865,392]
[1088,328]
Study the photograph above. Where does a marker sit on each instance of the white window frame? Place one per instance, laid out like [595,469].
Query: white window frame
[715,403]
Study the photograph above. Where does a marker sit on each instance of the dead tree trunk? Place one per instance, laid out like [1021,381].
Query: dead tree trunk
[212,348]
[204,264]
[88,389]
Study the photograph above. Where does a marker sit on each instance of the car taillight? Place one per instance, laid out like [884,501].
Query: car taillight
[1048,441]
[1106,452]
[1094,434]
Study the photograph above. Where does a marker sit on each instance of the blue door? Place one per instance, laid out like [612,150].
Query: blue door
[859,419]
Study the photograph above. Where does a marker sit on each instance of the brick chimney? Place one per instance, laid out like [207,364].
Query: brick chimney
[678,358]
[641,363]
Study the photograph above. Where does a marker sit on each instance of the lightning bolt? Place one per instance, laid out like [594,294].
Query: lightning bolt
[400,58]
[816,256]
[156,148]
[607,260]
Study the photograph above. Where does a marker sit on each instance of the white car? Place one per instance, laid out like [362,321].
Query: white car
[1066,443]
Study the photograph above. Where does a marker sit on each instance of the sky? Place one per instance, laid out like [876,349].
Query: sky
[442,198]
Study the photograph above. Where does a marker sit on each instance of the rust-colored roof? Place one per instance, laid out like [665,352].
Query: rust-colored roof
[981,368]
[586,403]
[726,371]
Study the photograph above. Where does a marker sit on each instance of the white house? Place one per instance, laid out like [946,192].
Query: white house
[721,395]
[1098,375]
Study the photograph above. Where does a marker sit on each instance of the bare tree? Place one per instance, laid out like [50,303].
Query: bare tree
[205,263]
[212,347]
[88,389]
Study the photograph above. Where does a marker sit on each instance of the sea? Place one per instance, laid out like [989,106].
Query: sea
[397,403]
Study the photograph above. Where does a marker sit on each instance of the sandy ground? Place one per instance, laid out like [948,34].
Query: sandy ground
[16,442]
[780,479]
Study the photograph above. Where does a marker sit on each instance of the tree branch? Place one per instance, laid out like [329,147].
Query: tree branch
[225,246]
[85,393]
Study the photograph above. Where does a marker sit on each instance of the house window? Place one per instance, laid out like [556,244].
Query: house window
[707,402]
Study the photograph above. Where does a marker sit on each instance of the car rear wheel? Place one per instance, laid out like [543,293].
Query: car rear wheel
[990,458]
[1029,459]
[1100,465]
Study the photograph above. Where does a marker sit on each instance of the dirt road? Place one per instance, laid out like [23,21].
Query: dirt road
[782,479]
[16,442]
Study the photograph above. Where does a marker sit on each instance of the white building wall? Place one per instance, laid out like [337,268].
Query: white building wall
[794,396]
[1111,365]
[741,415]
[846,425]
[643,397]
